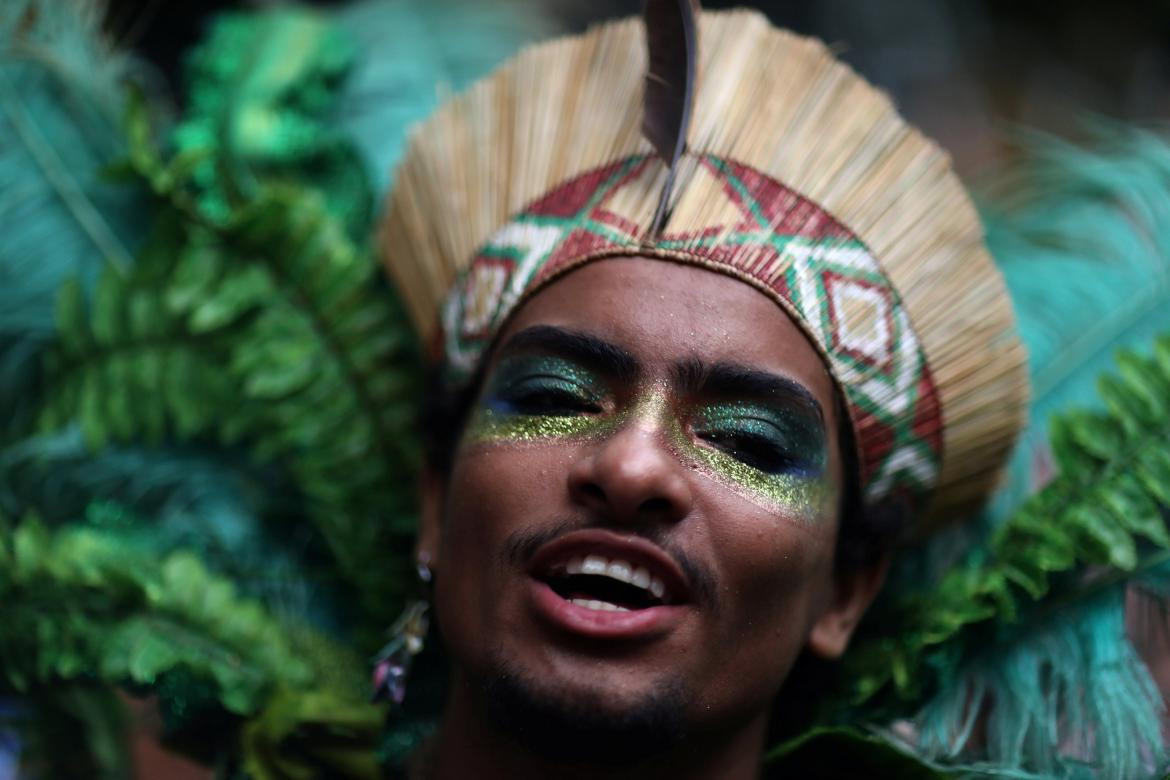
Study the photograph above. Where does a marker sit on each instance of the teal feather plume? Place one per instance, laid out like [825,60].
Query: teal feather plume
[61,101]
[1064,694]
[1082,235]
[214,503]
[412,53]
[1045,675]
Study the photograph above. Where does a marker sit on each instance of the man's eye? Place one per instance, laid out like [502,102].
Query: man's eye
[759,452]
[545,400]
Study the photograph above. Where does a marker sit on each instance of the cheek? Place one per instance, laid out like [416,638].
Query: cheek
[494,483]
[494,492]
[778,571]
[776,581]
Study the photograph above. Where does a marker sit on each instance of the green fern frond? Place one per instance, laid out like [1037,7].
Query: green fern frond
[1027,639]
[125,368]
[79,606]
[1106,509]
[310,735]
[327,369]
[85,610]
[269,328]
[262,85]
[289,343]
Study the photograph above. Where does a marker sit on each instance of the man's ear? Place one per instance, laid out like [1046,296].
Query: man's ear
[853,592]
[432,487]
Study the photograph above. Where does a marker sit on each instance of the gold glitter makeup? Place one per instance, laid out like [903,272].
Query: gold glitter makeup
[760,453]
[490,425]
[798,497]
[771,437]
[767,453]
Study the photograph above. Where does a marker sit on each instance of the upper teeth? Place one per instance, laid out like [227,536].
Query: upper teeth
[601,606]
[616,568]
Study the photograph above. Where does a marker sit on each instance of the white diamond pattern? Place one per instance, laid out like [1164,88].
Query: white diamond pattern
[862,320]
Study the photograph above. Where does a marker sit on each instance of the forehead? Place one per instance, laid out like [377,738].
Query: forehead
[664,312]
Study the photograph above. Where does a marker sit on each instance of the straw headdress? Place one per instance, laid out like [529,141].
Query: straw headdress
[799,178]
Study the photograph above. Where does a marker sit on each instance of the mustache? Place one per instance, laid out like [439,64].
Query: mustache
[520,546]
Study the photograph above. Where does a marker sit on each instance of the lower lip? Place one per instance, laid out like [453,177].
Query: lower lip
[646,623]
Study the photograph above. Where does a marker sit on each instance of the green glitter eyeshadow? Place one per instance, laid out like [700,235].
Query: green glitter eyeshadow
[551,371]
[786,431]
[798,490]
[534,398]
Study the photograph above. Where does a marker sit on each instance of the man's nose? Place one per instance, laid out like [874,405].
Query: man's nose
[632,476]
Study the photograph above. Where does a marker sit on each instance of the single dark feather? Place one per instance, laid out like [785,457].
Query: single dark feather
[672,43]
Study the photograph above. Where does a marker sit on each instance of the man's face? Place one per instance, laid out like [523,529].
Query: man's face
[643,506]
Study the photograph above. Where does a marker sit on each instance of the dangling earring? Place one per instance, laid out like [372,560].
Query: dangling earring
[392,664]
[422,568]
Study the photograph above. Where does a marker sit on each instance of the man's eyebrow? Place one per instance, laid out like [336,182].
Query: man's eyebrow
[577,345]
[693,376]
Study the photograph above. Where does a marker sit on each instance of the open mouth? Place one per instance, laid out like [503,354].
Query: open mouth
[606,584]
[609,585]
[601,575]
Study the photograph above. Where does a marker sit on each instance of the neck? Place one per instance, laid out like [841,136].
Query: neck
[468,745]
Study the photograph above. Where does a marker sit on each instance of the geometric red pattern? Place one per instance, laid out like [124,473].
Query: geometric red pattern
[811,264]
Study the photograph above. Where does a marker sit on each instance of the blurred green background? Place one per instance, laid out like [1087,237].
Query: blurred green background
[961,70]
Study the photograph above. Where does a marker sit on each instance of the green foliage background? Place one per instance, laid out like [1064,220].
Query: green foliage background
[208,456]
[249,327]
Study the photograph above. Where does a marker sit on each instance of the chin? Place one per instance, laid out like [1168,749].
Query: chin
[586,718]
